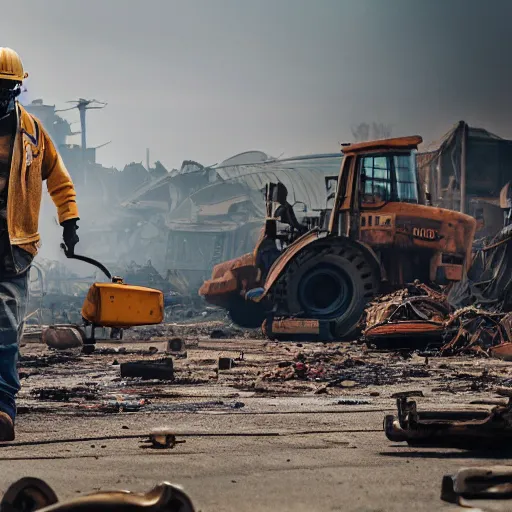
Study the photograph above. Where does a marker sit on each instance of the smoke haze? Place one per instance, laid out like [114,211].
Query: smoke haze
[205,79]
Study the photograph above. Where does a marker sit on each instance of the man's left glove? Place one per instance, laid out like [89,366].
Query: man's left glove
[69,236]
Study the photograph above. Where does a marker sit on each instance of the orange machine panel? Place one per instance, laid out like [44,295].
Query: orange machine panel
[123,305]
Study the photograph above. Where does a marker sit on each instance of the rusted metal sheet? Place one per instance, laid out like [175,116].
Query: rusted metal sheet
[472,331]
[502,351]
[396,143]
[410,328]
[296,325]
[424,227]
[227,283]
[412,311]
[243,261]
[297,329]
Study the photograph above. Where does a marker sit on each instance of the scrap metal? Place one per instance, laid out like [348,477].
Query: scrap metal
[412,312]
[162,369]
[477,483]
[474,331]
[468,429]
[28,494]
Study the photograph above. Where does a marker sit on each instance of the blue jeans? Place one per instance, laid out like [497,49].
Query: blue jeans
[14,275]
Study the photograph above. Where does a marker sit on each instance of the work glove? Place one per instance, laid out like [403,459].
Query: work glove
[69,235]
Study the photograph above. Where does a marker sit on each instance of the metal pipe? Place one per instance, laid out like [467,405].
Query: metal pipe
[439,184]
[81,108]
[463,151]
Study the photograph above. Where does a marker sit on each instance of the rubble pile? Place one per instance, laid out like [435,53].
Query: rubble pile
[474,330]
[472,317]
[414,313]
[488,283]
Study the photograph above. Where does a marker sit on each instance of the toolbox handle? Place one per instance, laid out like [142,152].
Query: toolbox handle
[72,255]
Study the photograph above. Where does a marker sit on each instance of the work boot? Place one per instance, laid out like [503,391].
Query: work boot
[6,427]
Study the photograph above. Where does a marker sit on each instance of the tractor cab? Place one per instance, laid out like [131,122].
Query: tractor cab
[372,175]
[389,177]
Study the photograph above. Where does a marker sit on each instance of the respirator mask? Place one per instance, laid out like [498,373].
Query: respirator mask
[9,91]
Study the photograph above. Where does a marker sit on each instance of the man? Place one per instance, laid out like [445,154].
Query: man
[27,158]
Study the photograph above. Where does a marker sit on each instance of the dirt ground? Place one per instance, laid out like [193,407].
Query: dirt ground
[267,434]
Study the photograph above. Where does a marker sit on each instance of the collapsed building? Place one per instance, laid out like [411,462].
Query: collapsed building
[467,171]
[199,216]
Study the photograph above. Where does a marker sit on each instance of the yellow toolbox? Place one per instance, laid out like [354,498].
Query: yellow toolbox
[123,305]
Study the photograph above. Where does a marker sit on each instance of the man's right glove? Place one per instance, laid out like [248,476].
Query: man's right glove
[69,235]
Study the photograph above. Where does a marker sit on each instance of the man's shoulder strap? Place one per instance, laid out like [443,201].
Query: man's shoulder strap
[29,126]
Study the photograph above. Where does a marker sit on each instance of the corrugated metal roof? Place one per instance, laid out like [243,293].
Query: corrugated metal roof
[303,176]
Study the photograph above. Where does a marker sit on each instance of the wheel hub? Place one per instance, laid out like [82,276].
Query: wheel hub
[324,292]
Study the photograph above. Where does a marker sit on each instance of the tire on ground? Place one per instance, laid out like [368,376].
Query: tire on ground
[246,313]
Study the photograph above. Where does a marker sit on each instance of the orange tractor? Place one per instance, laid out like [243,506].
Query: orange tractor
[314,278]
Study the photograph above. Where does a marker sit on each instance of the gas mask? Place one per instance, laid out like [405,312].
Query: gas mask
[9,91]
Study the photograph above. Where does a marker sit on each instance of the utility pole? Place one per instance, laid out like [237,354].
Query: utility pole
[147,159]
[82,105]
[463,169]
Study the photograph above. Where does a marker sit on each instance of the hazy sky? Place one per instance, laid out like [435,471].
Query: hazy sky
[206,79]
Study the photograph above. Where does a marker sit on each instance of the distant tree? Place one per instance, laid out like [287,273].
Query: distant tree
[381,131]
[363,131]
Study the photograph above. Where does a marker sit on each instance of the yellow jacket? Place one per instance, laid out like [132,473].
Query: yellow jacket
[35,159]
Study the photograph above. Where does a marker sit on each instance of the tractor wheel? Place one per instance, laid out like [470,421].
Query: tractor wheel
[329,280]
[246,313]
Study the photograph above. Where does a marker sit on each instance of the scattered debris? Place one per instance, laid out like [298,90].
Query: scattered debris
[218,334]
[162,369]
[475,331]
[43,361]
[163,439]
[61,394]
[226,363]
[175,345]
[353,401]
[120,405]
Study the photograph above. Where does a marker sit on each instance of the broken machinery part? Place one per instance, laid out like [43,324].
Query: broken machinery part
[163,438]
[30,494]
[478,483]
[297,329]
[467,429]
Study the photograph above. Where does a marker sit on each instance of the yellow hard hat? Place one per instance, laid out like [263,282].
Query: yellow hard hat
[11,67]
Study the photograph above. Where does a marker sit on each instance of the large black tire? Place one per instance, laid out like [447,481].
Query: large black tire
[246,313]
[329,280]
